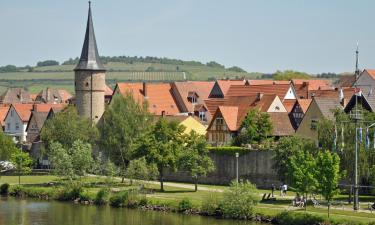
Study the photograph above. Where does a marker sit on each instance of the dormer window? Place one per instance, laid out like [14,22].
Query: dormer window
[192,97]
[202,115]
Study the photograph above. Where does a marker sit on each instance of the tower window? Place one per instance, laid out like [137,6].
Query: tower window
[87,84]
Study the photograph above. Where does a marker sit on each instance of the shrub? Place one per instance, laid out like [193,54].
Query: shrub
[185,205]
[238,200]
[4,189]
[101,197]
[289,218]
[129,198]
[211,205]
[70,192]
[118,199]
[17,191]
[85,196]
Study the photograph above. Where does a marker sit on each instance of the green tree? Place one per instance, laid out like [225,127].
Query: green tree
[66,127]
[302,168]
[239,199]
[72,162]
[290,74]
[22,162]
[123,122]
[7,146]
[194,157]
[140,170]
[162,146]
[286,148]
[255,128]
[328,174]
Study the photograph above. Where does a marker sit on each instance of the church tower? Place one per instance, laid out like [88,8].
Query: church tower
[89,79]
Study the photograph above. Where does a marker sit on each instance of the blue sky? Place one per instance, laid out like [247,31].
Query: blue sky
[263,35]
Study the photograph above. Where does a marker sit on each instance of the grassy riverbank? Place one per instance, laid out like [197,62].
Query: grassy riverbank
[175,193]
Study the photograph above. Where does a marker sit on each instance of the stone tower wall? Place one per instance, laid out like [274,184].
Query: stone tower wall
[90,89]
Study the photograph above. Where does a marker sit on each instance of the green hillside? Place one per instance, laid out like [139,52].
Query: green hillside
[62,76]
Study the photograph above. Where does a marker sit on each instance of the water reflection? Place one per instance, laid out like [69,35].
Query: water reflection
[32,212]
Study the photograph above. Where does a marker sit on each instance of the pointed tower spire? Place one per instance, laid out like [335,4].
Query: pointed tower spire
[90,57]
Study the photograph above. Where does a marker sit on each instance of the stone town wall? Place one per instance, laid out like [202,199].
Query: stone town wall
[255,166]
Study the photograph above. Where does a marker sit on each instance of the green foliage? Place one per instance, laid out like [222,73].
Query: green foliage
[255,128]
[328,173]
[286,148]
[66,127]
[69,192]
[123,122]
[128,198]
[75,161]
[7,147]
[162,145]
[236,69]
[47,63]
[139,169]
[9,68]
[290,74]
[302,168]
[4,189]
[292,218]
[211,204]
[22,162]
[194,157]
[185,205]
[238,200]
[326,133]
[214,64]
[228,150]
[102,196]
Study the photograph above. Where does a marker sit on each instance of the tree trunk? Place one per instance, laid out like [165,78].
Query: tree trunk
[122,179]
[19,178]
[305,202]
[196,183]
[161,180]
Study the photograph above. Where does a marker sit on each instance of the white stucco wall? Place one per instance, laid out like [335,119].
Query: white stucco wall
[11,122]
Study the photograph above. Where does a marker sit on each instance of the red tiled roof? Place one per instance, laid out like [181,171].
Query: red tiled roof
[248,90]
[3,113]
[33,96]
[304,103]
[262,82]
[48,107]
[313,84]
[371,72]
[288,104]
[201,88]
[108,90]
[230,114]
[348,92]
[212,104]
[159,96]
[226,84]
[23,111]
[65,95]
[281,124]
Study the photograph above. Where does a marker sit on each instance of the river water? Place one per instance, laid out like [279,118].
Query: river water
[33,212]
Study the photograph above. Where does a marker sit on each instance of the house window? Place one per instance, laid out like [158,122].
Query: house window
[219,123]
[8,126]
[17,126]
[314,124]
[202,115]
[11,113]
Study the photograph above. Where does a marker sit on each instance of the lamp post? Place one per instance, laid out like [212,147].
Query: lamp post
[237,155]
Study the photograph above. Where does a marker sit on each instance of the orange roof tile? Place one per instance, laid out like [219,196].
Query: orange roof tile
[243,90]
[229,114]
[313,84]
[371,72]
[225,84]
[262,82]
[23,111]
[33,96]
[304,104]
[281,124]
[65,95]
[348,92]
[289,104]
[159,96]
[48,107]
[108,90]
[202,88]
[3,113]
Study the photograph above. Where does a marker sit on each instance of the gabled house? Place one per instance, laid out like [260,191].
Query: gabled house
[34,126]
[361,100]
[298,111]
[191,123]
[366,82]
[227,118]
[3,112]
[190,96]
[318,109]
[159,96]
[108,94]
[16,121]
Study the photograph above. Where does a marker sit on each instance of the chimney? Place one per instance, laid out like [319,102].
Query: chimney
[304,84]
[145,89]
[20,95]
[259,96]
[34,108]
[47,95]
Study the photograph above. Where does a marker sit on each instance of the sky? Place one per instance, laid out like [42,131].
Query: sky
[256,35]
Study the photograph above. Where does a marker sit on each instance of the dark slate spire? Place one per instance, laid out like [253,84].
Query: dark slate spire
[89,57]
